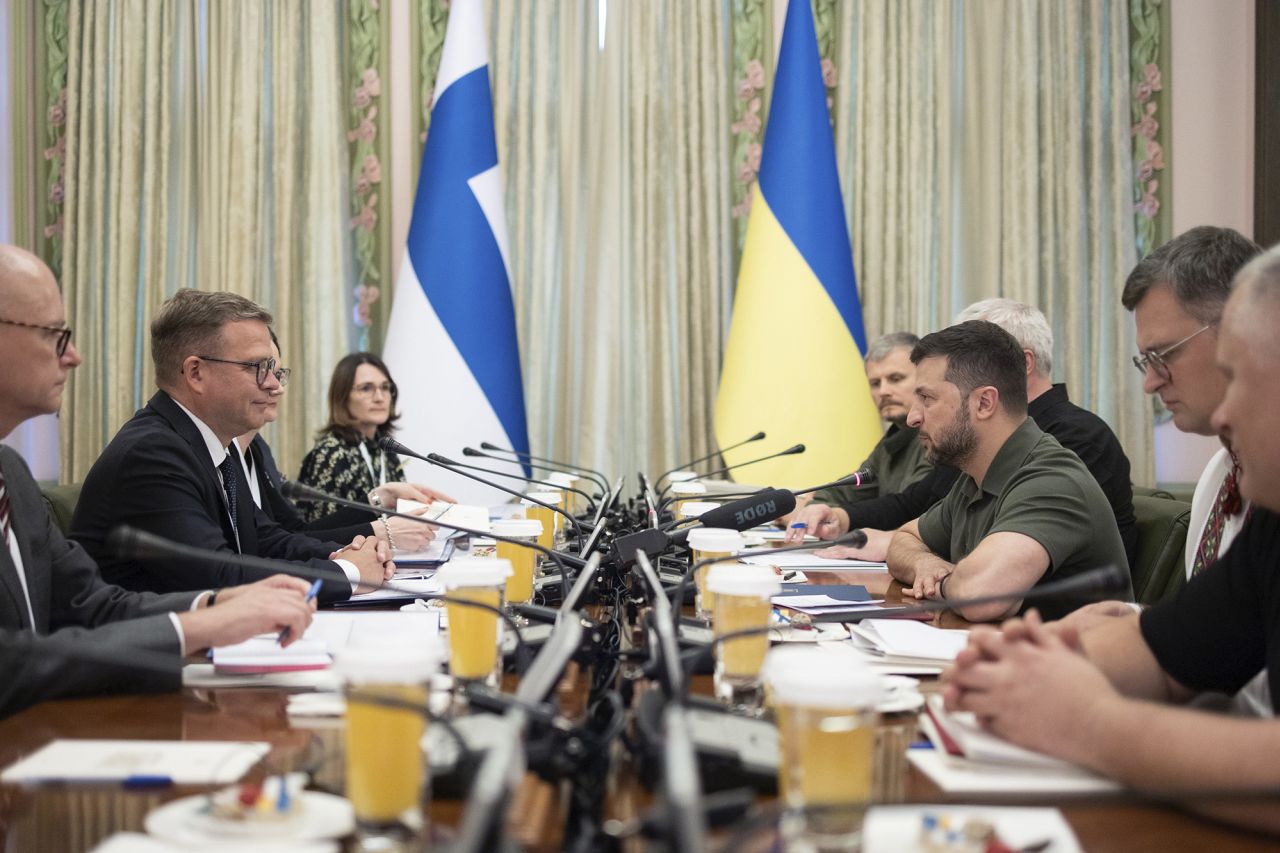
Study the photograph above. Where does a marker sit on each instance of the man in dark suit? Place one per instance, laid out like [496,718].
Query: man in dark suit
[63,630]
[169,471]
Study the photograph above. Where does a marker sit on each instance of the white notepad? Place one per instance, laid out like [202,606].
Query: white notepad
[180,762]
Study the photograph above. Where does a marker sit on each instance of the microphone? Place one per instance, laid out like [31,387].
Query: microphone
[389,443]
[757,437]
[471,451]
[762,506]
[549,485]
[790,451]
[127,541]
[598,476]
[858,478]
[295,491]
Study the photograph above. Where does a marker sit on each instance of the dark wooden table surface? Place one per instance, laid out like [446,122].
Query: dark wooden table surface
[75,818]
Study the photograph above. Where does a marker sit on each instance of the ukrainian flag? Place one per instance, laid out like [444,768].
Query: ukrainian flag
[793,365]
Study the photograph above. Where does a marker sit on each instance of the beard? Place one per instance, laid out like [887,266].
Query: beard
[956,445]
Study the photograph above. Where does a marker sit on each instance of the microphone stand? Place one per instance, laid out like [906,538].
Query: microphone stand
[389,443]
[590,500]
[757,437]
[857,478]
[526,458]
[480,454]
[794,450]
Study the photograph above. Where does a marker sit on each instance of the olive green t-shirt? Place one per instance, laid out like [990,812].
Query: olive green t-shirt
[1040,489]
[898,460]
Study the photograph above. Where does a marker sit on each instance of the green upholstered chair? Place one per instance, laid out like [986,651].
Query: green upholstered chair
[61,503]
[1160,568]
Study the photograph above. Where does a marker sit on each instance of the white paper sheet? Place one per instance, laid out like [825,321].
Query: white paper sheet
[806,560]
[907,638]
[895,829]
[463,515]
[961,776]
[182,762]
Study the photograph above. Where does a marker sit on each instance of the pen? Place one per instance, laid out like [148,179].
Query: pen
[311,594]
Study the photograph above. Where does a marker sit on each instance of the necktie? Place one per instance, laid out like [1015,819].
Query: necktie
[4,511]
[228,469]
[1225,505]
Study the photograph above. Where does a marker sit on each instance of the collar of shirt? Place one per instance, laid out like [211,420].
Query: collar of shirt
[217,450]
[897,438]
[1055,396]
[1007,461]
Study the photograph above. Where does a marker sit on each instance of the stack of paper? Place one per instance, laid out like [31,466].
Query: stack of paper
[907,647]
[462,515]
[328,634]
[970,759]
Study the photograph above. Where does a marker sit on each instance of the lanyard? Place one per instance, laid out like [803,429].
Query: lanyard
[368,461]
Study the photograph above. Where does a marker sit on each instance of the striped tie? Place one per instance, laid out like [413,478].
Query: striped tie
[4,509]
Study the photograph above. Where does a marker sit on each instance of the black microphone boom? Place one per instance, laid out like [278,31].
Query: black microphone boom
[471,451]
[1105,579]
[598,476]
[295,491]
[742,514]
[530,480]
[857,478]
[790,451]
[390,444]
[757,437]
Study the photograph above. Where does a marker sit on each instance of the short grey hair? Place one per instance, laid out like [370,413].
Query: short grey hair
[882,346]
[1198,266]
[1259,284]
[190,323]
[1027,325]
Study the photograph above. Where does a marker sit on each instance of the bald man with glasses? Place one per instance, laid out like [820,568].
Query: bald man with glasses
[169,470]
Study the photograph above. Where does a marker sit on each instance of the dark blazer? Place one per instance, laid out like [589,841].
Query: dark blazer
[156,475]
[341,526]
[76,613]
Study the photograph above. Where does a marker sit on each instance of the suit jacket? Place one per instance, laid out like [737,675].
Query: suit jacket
[77,614]
[341,526]
[156,475]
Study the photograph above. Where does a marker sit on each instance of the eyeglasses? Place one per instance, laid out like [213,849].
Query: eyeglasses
[263,368]
[64,333]
[366,389]
[1157,360]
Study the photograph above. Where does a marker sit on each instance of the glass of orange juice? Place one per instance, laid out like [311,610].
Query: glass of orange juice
[387,691]
[708,543]
[825,705]
[742,594]
[475,633]
[523,559]
[550,518]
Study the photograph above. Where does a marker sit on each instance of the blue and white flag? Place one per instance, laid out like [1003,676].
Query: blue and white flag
[451,341]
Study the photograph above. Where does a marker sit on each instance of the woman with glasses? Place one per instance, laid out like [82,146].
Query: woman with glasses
[346,460]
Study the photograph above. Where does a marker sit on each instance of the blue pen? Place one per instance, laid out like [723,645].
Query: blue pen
[311,594]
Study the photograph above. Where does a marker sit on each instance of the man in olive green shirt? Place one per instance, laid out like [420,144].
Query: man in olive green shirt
[1024,511]
[898,460]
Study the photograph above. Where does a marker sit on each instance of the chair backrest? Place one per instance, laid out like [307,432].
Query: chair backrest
[1160,568]
[61,503]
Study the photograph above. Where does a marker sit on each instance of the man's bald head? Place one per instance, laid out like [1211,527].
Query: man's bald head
[24,278]
[32,330]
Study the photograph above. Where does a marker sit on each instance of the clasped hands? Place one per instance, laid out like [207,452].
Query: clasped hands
[1030,683]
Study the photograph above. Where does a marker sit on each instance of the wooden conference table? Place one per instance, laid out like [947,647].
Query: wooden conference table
[76,818]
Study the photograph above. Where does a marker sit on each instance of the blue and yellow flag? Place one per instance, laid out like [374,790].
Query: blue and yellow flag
[793,364]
